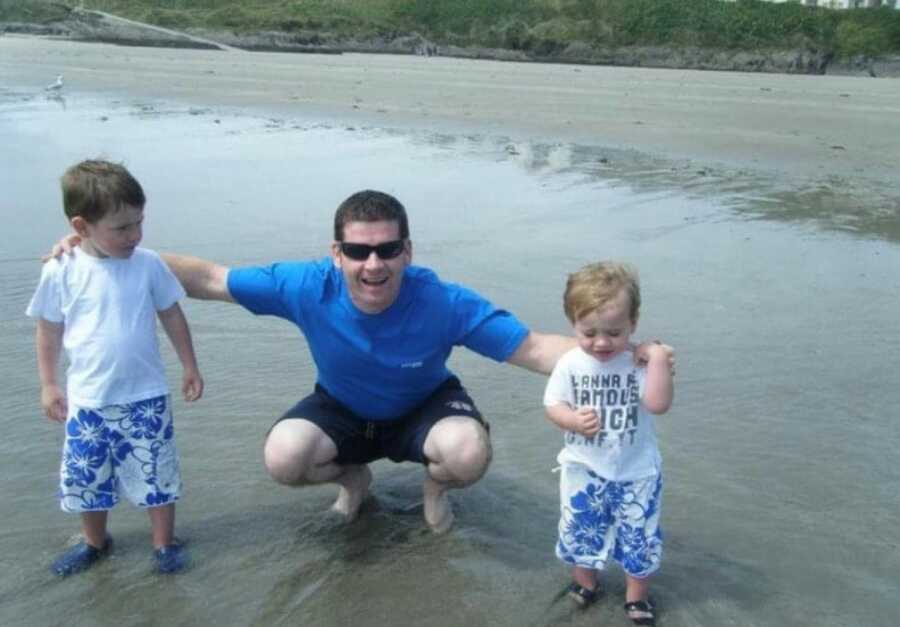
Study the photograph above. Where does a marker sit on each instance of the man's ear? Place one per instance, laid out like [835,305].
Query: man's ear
[336,253]
[80,225]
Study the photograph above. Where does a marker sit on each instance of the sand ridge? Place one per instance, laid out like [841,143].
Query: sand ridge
[815,126]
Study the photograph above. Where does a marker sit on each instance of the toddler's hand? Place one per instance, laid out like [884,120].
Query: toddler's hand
[646,352]
[586,421]
[191,385]
[53,401]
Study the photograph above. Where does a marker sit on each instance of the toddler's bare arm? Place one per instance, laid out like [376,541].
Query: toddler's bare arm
[659,388]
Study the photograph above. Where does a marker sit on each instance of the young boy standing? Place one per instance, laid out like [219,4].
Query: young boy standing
[610,481]
[101,304]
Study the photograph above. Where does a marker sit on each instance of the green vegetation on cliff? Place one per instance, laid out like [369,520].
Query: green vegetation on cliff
[539,27]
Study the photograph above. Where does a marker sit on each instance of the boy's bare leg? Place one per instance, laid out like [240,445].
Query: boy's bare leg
[636,589]
[637,592]
[162,524]
[584,589]
[171,556]
[298,453]
[93,527]
[459,451]
[585,577]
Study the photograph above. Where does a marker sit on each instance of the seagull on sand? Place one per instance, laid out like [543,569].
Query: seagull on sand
[56,85]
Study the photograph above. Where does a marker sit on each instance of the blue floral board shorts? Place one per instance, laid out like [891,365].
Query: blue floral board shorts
[600,519]
[118,450]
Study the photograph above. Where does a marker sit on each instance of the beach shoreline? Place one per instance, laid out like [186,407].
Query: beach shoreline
[816,127]
[514,175]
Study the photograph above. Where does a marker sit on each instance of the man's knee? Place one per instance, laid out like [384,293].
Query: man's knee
[292,448]
[474,453]
[461,446]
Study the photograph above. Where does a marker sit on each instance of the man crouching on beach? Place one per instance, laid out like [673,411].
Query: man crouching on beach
[380,331]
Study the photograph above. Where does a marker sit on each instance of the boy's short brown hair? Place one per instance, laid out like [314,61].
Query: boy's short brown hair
[595,285]
[94,188]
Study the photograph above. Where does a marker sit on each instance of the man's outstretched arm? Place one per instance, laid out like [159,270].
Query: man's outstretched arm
[540,351]
[201,278]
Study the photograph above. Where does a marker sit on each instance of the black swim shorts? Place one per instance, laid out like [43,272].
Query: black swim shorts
[360,441]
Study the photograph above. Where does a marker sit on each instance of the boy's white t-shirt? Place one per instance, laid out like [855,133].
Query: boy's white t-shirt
[108,307]
[626,447]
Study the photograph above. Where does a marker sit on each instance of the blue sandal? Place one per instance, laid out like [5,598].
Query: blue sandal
[80,557]
[171,558]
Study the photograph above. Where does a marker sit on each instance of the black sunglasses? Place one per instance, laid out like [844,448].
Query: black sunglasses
[361,252]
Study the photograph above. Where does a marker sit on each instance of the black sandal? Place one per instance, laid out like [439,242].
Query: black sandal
[645,610]
[581,595]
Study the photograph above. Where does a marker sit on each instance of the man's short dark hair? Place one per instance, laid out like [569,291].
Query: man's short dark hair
[370,206]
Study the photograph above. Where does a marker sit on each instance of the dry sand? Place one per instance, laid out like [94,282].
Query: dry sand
[810,126]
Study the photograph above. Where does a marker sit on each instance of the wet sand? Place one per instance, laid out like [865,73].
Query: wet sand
[780,480]
[807,126]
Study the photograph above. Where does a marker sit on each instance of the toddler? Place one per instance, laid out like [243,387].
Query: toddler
[604,394]
[101,305]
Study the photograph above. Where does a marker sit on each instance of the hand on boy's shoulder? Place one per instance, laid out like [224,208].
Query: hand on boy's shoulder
[64,246]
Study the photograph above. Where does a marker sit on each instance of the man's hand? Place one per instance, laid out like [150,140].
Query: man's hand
[64,246]
[53,401]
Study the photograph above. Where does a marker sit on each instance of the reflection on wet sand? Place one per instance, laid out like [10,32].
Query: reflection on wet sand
[778,443]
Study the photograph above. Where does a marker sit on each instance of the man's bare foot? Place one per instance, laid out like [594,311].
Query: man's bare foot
[438,513]
[354,489]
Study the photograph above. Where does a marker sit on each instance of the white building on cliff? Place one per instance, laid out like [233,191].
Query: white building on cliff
[843,4]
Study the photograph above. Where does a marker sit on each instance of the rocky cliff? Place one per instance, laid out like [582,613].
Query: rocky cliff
[96,26]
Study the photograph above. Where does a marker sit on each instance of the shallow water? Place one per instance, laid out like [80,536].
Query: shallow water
[779,296]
